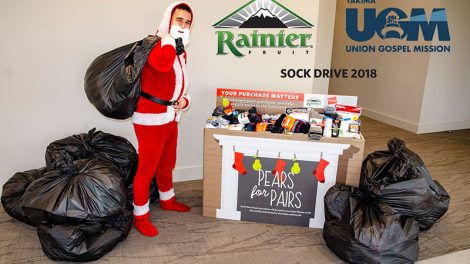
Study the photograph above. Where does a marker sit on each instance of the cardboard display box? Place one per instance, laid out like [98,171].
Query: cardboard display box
[349,164]
[344,154]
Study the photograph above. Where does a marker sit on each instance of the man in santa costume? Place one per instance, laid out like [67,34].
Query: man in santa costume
[164,96]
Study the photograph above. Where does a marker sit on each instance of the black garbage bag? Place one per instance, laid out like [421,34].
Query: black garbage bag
[112,81]
[91,190]
[60,155]
[95,143]
[13,190]
[359,231]
[83,241]
[399,178]
[441,205]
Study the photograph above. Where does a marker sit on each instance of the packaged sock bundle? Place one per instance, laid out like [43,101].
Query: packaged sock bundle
[261,127]
[292,124]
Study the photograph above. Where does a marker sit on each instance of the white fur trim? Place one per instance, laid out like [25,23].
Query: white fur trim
[179,79]
[141,210]
[168,41]
[165,23]
[179,89]
[188,97]
[178,116]
[154,119]
[165,196]
[186,82]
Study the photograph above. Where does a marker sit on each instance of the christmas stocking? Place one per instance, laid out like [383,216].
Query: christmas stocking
[280,164]
[238,165]
[319,172]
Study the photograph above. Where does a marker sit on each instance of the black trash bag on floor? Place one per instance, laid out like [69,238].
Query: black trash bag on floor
[13,190]
[112,81]
[95,143]
[83,241]
[359,231]
[441,204]
[399,178]
[89,190]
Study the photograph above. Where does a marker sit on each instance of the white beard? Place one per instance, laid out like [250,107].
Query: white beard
[178,32]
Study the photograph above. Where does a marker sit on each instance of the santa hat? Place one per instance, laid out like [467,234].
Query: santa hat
[165,23]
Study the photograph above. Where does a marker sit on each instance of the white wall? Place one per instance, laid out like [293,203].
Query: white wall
[446,96]
[324,44]
[422,93]
[47,46]
[395,96]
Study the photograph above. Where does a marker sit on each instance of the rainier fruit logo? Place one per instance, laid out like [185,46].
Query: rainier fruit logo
[261,14]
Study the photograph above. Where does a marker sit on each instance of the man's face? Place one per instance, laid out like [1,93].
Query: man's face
[182,18]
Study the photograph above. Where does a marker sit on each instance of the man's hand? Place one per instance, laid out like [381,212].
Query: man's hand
[181,104]
[179,46]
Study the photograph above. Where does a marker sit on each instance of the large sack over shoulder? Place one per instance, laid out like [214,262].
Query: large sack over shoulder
[112,81]
[91,190]
[362,232]
[86,241]
[399,178]
[95,143]
[13,190]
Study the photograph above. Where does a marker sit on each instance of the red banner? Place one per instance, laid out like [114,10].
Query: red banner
[253,94]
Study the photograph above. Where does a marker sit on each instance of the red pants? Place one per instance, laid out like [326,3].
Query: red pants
[157,156]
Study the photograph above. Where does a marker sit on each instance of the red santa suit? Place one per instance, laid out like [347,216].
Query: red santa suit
[156,126]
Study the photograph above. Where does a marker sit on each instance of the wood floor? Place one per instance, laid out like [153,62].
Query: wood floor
[192,238]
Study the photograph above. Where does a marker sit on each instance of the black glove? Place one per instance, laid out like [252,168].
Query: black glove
[179,46]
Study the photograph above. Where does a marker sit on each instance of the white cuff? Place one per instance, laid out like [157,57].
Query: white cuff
[188,98]
[141,210]
[165,196]
[146,119]
[168,41]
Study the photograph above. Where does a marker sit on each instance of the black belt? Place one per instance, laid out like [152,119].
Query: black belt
[157,100]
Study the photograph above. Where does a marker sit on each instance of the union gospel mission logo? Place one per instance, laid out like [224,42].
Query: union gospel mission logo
[258,15]
[394,23]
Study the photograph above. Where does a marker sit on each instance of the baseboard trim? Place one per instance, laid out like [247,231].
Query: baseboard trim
[391,120]
[440,127]
[191,173]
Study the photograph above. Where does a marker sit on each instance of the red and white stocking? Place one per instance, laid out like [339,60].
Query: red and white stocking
[277,172]
[319,172]
[238,165]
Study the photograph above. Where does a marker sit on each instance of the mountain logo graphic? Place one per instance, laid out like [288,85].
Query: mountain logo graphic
[263,14]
